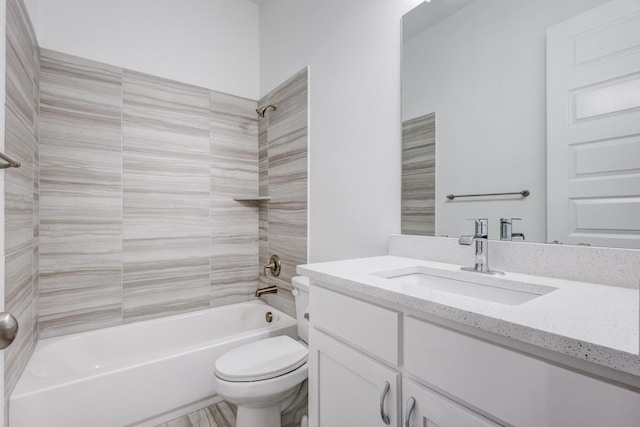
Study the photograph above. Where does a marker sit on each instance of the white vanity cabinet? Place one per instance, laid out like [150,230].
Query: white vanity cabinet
[456,380]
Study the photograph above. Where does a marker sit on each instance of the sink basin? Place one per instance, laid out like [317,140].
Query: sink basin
[475,285]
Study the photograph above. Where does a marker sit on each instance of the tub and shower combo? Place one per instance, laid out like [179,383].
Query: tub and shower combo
[140,374]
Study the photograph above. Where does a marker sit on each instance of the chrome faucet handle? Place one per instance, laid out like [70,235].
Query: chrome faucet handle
[481,227]
[481,232]
[466,240]
[274,265]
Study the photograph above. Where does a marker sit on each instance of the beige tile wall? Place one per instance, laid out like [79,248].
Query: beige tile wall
[283,174]
[234,225]
[21,188]
[165,197]
[80,194]
[137,179]
[138,175]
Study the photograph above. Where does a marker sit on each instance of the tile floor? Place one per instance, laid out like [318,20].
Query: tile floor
[222,414]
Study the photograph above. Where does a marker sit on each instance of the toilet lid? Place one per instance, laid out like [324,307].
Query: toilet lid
[261,360]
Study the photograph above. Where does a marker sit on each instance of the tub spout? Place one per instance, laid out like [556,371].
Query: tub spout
[267,290]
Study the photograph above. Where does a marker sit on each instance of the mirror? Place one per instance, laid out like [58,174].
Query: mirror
[474,113]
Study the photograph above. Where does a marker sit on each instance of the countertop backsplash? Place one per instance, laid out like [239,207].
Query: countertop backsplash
[606,266]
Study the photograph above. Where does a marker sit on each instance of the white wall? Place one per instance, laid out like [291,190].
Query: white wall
[284,40]
[353,52]
[32,10]
[483,72]
[208,43]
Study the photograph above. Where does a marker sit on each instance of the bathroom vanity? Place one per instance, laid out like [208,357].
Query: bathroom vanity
[404,341]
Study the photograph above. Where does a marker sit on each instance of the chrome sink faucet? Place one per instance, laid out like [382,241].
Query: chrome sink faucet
[481,239]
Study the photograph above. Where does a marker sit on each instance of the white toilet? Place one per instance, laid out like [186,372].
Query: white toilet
[264,376]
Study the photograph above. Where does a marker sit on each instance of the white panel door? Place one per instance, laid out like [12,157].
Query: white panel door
[593,125]
[346,387]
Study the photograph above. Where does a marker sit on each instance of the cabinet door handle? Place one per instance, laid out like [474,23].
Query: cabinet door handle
[408,410]
[383,395]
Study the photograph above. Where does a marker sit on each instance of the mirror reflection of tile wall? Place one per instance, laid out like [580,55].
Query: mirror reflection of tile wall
[419,175]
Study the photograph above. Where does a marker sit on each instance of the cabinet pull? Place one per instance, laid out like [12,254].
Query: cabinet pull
[383,395]
[408,410]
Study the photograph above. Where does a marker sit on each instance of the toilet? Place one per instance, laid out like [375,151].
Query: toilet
[263,377]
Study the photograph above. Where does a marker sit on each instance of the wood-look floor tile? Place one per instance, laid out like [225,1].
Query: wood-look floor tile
[222,414]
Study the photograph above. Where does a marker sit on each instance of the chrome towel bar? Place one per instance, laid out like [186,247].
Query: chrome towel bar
[523,193]
[10,162]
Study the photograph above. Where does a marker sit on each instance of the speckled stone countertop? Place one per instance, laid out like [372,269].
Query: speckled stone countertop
[594,322]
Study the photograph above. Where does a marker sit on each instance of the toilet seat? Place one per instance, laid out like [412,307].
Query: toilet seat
[261,360]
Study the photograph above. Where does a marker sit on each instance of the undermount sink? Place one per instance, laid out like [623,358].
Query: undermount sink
[475,285]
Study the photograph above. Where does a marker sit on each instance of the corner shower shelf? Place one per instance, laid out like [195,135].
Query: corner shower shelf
[252,198]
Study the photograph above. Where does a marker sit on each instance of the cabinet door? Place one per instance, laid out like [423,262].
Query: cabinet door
[431,409]
[346,387]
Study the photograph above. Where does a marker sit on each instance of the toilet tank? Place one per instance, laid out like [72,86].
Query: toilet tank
[301,294]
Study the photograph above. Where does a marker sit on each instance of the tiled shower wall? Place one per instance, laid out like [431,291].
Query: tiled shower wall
[137,178]
[283,177]
[419,175]
[21,188]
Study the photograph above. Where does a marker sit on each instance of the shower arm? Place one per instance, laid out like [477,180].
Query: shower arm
[263,109]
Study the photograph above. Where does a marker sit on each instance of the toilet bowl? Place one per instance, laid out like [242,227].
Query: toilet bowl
[263,377]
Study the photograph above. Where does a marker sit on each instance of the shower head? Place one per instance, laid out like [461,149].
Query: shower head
[264,108]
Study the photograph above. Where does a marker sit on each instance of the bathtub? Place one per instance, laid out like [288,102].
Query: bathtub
[130,374]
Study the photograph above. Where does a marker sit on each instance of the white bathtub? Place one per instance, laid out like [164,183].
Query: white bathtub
[126,374]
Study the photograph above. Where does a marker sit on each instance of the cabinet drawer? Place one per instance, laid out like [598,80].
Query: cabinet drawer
[513,387]
[372,328]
